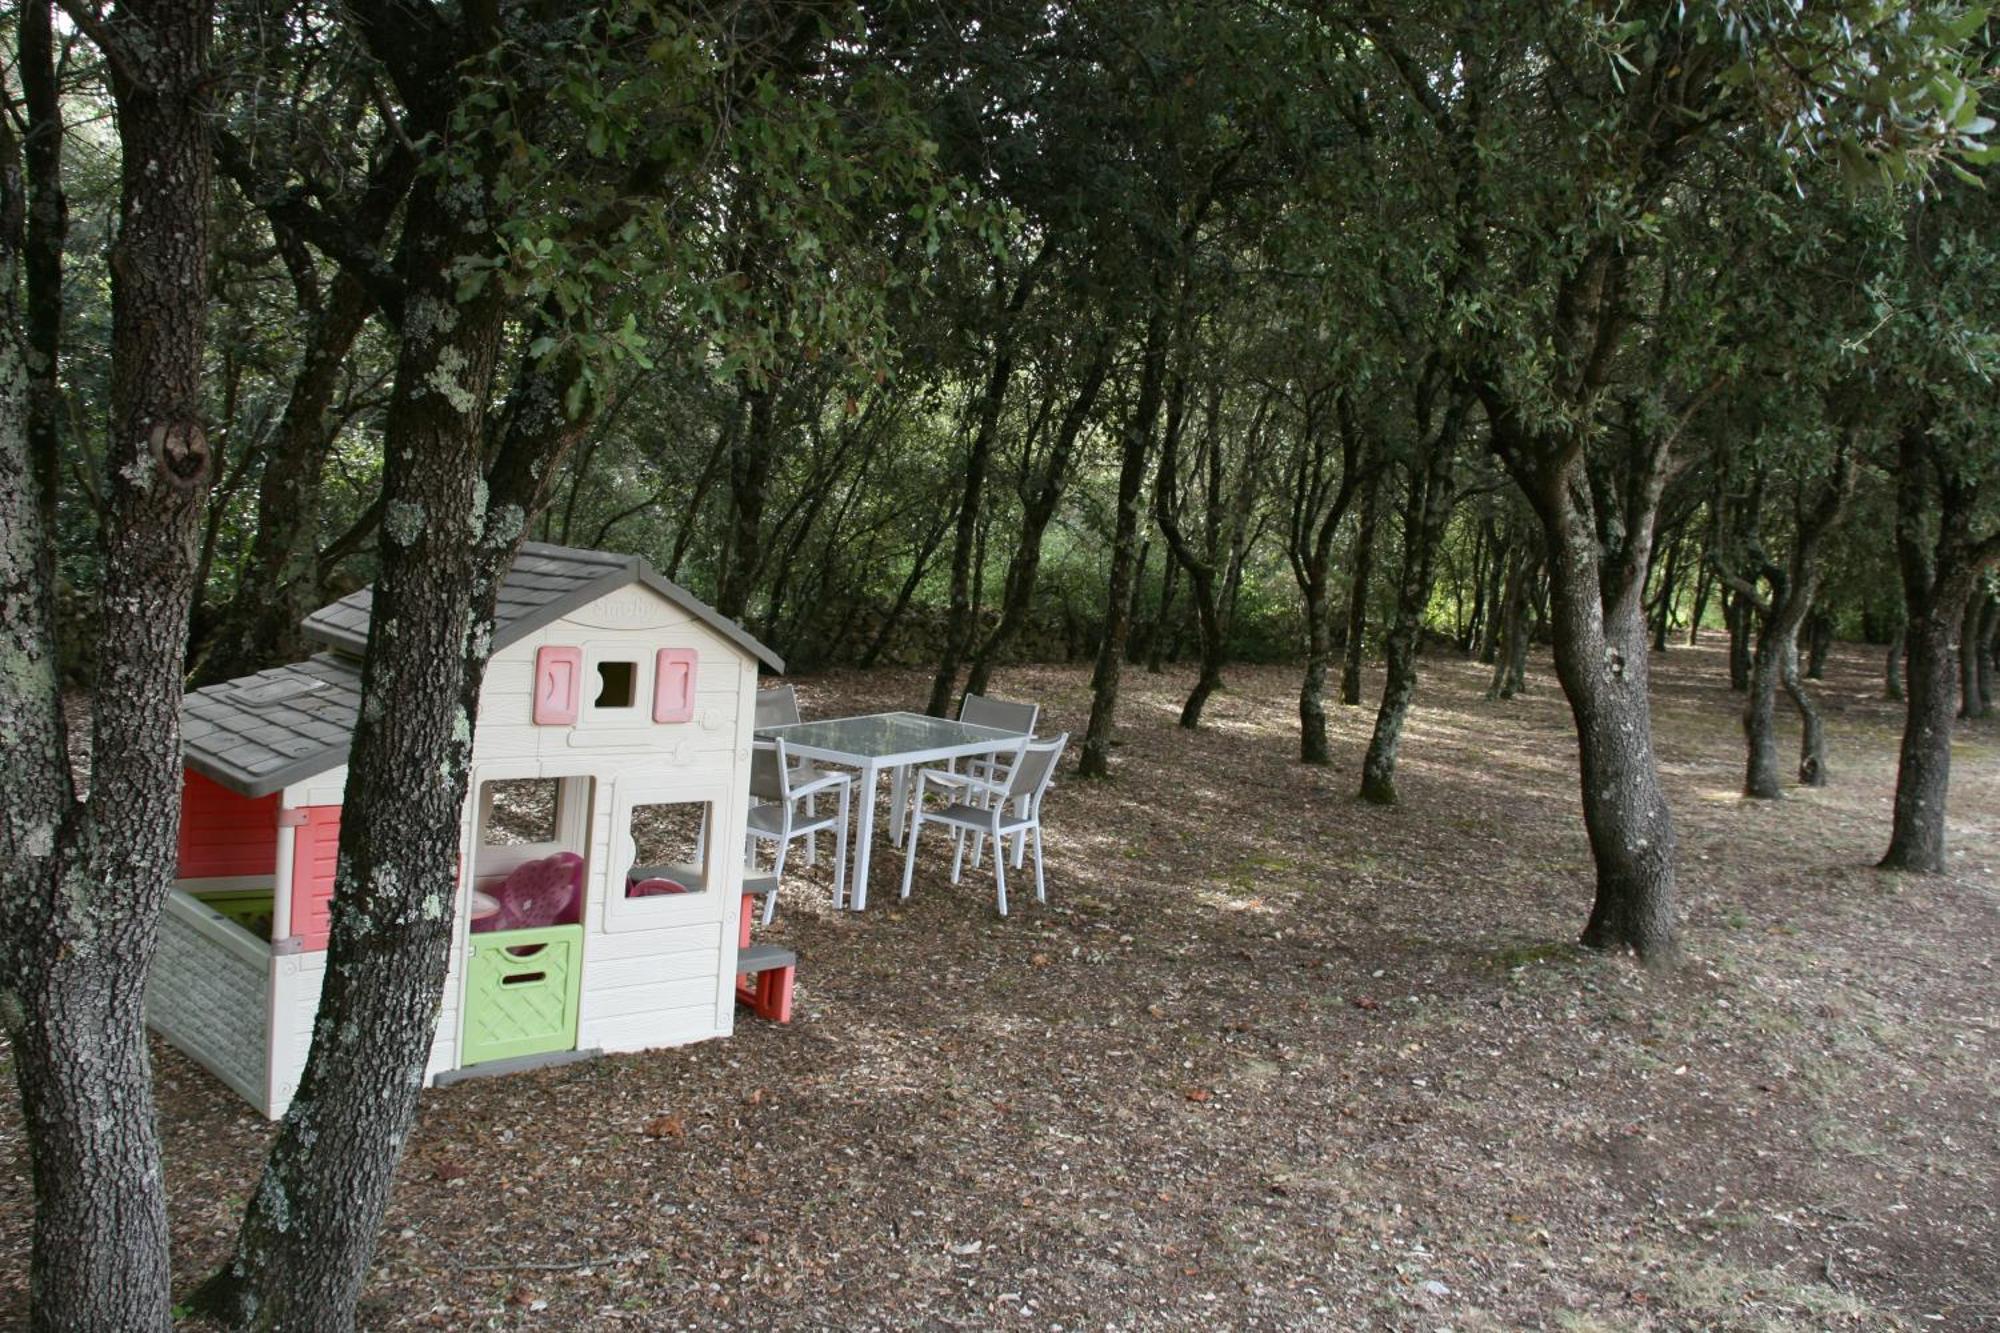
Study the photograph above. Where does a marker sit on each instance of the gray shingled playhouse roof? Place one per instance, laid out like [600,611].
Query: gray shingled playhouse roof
[264,732]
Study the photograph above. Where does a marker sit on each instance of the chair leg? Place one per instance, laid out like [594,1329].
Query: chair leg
[1041,890]
[812,839]
[778,874]
[910,854]
[978,850]
[958,858]
[840,853]
[1000,880]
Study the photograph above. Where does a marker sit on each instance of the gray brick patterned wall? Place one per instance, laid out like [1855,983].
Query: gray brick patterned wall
[209,1001]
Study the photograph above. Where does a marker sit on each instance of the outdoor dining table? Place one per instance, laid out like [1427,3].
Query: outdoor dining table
[885,742]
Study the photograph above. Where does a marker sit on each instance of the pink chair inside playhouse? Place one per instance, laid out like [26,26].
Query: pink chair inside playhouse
[539,893]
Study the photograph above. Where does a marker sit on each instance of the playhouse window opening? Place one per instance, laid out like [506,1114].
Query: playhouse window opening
[521,811]
[617,684]
[667,844]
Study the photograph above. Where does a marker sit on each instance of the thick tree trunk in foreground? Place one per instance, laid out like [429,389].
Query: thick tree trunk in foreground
[1357,593]
[1597,618]
[82,884]
[311,1226]
[1095,760]
[1601,658]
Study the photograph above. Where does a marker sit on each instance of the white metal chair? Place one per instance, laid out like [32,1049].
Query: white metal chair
[779,707]
[985,711]
[1011,808]
[780,818]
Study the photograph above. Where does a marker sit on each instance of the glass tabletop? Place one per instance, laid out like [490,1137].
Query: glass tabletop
[885,735]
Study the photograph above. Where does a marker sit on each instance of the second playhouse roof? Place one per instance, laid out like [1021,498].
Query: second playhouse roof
[259,734]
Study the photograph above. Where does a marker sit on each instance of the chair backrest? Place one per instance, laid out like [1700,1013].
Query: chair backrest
[769,779]
[778,707]
[1036,767]
[984,711]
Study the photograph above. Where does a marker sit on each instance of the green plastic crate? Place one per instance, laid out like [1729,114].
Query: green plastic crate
[248,908]
[521,990]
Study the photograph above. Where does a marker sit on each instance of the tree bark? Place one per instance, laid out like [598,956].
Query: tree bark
[1136,447]
[1357,592]
[1425,513]
[1038,508]
[1597,618]
[753,453]
[1989,638]
[978,458]
[82,883]
[1739,617]
[280,583]
[1315,521]
[1971,645]
[1938,577]
[1892,665]
[1819,642]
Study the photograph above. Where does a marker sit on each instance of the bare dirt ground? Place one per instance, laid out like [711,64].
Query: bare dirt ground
[1268,1058]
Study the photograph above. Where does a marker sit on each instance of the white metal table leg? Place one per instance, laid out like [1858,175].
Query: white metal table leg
[864,835]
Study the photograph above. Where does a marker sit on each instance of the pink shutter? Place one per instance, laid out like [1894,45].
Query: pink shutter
[673,685]
[558,685]
[315,856]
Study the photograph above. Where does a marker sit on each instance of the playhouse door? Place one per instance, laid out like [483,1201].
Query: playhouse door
[521,992]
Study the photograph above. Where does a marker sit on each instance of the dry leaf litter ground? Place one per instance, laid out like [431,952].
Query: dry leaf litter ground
[1268,1058]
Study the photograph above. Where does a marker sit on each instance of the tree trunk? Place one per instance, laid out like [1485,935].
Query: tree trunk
[1038,508]
[1892,665]
[82,884]
[752,456]
[1923,770]
[1425,513]
[1819,642]
[1704,581]
[280,582]
[1970,704]
[1812,727]
[1357,592]
[1738,615]
[1938,576]
[959,619]
[1601,659]
[919,562]
[1989,638]
[1663,613]
[1509,620]
[306,1238]
[1095,760]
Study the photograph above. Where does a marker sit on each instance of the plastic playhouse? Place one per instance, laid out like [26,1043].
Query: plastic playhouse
[600,898]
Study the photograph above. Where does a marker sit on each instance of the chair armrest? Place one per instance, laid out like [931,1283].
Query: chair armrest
[817,785]
[963,780]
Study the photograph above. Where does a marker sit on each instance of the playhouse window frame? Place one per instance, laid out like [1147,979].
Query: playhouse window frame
[634,711]
[668,910]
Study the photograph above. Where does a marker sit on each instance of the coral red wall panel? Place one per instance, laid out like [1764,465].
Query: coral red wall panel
[315,854]
[223,833]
